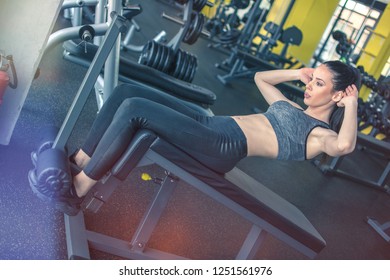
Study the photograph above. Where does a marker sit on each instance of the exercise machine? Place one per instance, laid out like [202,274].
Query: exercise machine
[381,229]
[370,143]
[223,27]
[245,60]
[267,212]
[170,58]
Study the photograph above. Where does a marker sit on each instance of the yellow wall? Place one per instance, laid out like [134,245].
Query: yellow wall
[209,12]
[311,16]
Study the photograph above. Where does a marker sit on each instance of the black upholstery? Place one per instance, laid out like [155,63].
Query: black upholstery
[292,35]
[373,143]
[129,160]
[235,185]
[146,75]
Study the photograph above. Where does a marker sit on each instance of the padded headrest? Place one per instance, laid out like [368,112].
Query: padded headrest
[271,27]
[292,35]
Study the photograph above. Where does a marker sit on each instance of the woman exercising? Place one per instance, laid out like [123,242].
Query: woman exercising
[286,131]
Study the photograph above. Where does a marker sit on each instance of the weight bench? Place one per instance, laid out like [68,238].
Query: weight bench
[371,143]
[381,147]
[135,73]
[267,212]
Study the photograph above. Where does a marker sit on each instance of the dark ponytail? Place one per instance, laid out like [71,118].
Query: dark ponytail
[344,75]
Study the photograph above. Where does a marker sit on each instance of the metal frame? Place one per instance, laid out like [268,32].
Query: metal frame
[333,167]
[116,27]
[241,52]
[101,28]
[80,239]
[380,228]
[73,9]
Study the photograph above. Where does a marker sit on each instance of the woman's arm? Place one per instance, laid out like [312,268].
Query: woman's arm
[345,141]
[266,81]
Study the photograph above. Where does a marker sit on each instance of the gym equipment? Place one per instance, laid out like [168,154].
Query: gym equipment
[245,60]
[289,36]
[197,5]
[253,19]
[45,142]
[51,173]
[266,211]
[195,27]
[255,64]
[73,9]
[76,10]
[127,46]
[169,58]
[50,168]
[224,27]
[100,28]
[181,65]
[135,73]
[344,47]
[368,142]
[380,228]
[84,51]
[375,111]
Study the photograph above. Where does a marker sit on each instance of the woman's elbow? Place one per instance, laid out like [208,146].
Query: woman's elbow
[346,147]
[257,76]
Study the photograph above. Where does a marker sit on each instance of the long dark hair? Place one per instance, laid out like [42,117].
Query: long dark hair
[343,76]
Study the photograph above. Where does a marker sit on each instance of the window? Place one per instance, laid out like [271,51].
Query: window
[357,21]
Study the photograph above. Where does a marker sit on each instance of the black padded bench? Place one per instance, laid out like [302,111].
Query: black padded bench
[266,211]
[134,73]
[370,143]
[380,147]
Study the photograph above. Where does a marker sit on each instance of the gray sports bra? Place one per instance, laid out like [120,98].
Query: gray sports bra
[292,128]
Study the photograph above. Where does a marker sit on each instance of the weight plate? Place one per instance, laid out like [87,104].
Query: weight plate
[163,57]
[177,63]
[183,66]
[144,54]
[198,29]
[188,69]
[191,29]
[168,60]
[194,68]
[158,54]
